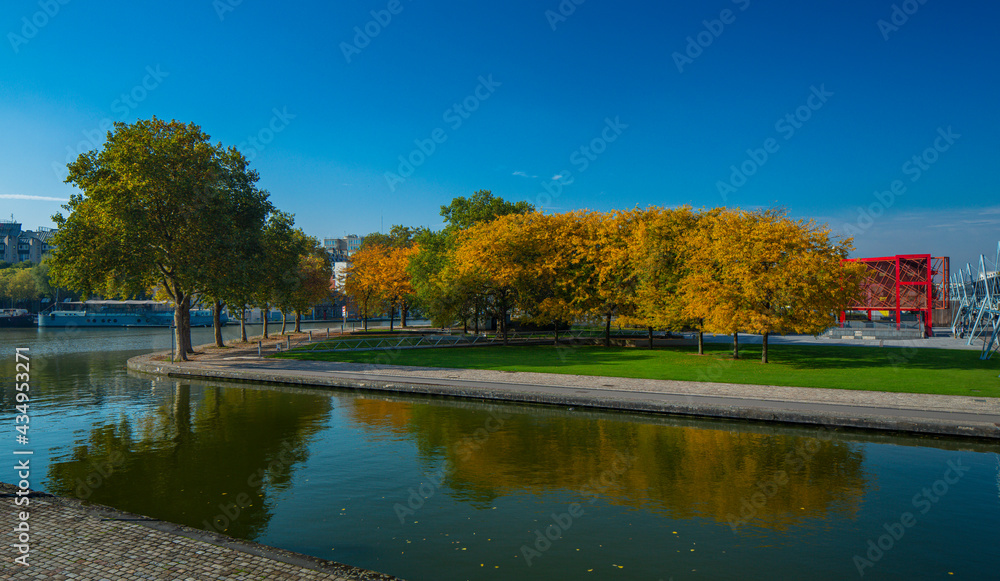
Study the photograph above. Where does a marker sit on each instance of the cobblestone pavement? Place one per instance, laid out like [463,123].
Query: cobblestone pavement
[72,540]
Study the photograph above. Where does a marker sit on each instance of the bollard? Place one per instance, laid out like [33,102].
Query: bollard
[310,336]
[288,341]
[258,350]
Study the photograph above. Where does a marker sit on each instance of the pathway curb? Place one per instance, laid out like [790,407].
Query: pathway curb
[973,424]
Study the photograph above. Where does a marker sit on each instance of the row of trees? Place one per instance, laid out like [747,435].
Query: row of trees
[164,210]
[24,283]
[719,270]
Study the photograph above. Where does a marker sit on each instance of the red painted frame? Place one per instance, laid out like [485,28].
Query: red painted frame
[904,272]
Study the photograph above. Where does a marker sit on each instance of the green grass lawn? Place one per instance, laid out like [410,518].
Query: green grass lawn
[940,371]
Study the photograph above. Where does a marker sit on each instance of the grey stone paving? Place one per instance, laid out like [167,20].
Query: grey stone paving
[71,540]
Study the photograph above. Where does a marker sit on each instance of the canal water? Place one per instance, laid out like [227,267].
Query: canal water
[443,489]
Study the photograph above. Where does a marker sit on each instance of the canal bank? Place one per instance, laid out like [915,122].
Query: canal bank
[925,414]
[69,539]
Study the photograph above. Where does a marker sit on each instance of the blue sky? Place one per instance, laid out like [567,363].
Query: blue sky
[631,103]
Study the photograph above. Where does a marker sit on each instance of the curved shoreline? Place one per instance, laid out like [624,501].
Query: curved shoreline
[939,415]
[70,536]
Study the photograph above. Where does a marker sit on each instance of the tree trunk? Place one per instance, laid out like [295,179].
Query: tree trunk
[263,315]
[392,316]
[284,321]
[650,337]
[555,330]
[187,326]
[243,324]
[503,320]
[736,345]
[298,322]
[477,318]
[365,322]
[763,351]
[465,326]
[179,334]
[701,342]
[607,331]
[217,323]
[403,311]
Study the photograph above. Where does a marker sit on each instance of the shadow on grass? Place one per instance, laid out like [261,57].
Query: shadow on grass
[799,357]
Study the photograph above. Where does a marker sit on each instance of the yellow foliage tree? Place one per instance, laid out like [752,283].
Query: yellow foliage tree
[501,260]
[605,282]
[397,288]
[658,253]
[362,283]
[761,272]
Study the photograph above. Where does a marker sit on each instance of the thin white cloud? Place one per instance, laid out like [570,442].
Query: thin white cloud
[523,174]
[28,197]
[959,233]
[558,176]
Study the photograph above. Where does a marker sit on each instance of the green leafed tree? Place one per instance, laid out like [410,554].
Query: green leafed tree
[154,210]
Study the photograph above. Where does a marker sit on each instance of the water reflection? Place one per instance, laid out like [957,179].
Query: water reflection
[737,477]
[198,453]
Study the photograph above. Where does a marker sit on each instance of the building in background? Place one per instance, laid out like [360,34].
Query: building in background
[17,245]
[341,249]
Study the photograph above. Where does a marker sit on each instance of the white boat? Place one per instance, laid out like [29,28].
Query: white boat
[119,314]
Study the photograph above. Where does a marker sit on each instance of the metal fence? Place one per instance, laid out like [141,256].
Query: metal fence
[447,340]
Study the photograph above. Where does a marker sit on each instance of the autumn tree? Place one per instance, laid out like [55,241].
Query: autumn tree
[146,216]
[557,267]
[658,254]
[396,288]
[361,281]
[605,284]
[501,259]
[445,292]
[761,272]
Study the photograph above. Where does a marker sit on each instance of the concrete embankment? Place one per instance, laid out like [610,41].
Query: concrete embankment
[899,412]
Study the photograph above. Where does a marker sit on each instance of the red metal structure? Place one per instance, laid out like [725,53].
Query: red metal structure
[905,283]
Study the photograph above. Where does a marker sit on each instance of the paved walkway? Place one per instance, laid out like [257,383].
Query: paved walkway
[918,413]
[72,540]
